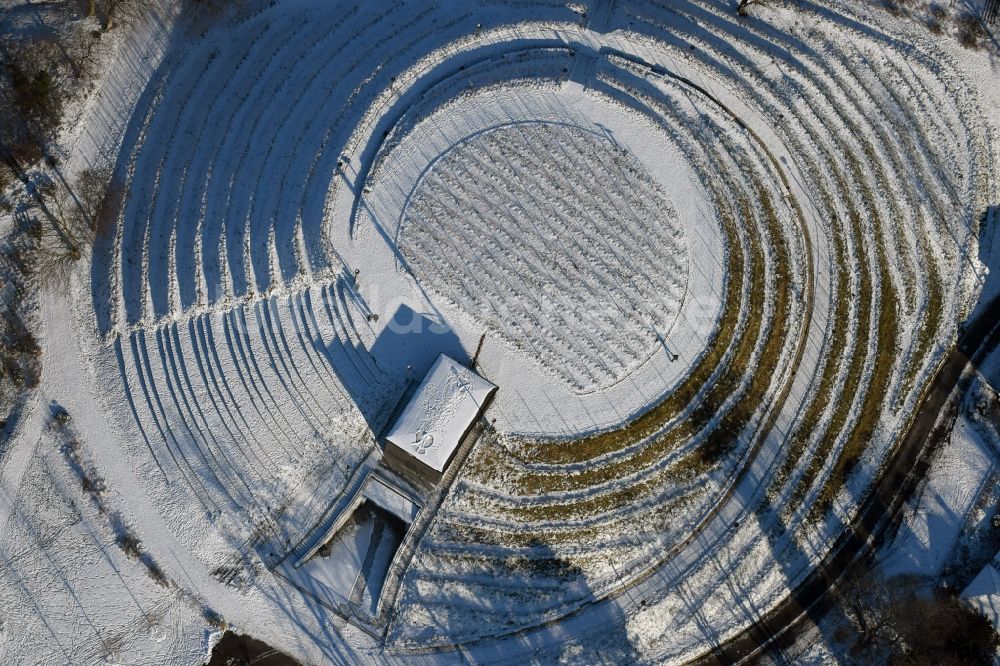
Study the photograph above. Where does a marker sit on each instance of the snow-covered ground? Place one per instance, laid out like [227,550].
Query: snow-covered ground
[964,474]
[760,234]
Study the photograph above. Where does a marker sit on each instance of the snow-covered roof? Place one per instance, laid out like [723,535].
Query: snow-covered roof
[389,497]
[446,403]
[983,593]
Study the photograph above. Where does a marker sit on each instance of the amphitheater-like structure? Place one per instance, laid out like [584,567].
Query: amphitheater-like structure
[716,259]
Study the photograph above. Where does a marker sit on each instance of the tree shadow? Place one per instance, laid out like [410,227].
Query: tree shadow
[404,350]
[982,330]
[607,640]
[880,514]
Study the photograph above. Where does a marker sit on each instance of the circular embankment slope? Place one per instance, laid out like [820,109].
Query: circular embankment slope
[715,259]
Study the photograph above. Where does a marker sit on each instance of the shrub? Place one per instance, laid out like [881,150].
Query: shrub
[970,31]
[129,543]
[213,618]
[33,94]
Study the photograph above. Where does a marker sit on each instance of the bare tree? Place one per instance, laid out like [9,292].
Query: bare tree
[77,214]
[81,51]
[120,11]
[865,602]
[902,620]
[30,102]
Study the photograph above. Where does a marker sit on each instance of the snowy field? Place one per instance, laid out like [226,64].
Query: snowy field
[958,497]
[711,263]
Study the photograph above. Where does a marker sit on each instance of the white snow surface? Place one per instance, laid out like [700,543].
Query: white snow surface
[224,374]
[927,536]
[983,593]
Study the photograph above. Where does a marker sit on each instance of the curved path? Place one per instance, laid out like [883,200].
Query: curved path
[228,368]
[883,507]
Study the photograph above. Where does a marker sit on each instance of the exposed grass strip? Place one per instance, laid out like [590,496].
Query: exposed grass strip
[647,423]
[724,436]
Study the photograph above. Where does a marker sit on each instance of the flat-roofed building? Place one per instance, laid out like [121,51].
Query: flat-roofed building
[435,420]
